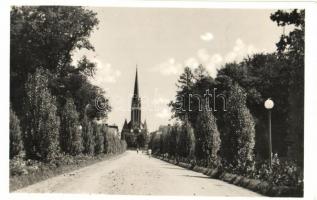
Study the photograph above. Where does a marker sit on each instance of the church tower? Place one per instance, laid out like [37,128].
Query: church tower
[136,105]
[135,132]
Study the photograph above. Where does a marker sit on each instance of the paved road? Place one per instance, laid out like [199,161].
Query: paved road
[133,173]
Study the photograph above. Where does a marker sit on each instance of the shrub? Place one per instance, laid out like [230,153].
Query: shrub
[186,141]
[42,123]
[239,142]
[17,166]
[207,138]
[88,137]
[283,173]
[70,135]
[15,135]
[172,135]
[99,138]
[112,143]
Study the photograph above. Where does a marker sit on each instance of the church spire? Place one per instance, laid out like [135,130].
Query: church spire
[136,86]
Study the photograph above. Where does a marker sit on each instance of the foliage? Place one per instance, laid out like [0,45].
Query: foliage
[291,50]
[39,44]
[207,138]
[16,145]
[70,134]
[112,143]
[99,138]
[186,141]
[142,139]
[238,141]
[154,142]
[191,85]
[88,137]
[38,41]
[283,173]
[42,123]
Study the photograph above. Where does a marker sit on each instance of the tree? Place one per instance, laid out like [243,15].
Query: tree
[99,138]
[291,50]
[16,144]
[207,138]
[186,141]
[70,134]
[172,136]
[42,123]
[238,142]
[44,37]
[181,104]
[88,137]
[141,139]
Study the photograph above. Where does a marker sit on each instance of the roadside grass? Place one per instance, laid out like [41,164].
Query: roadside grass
[46,171]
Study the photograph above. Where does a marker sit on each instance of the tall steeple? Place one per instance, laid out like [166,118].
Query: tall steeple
[136,85]
[136,105]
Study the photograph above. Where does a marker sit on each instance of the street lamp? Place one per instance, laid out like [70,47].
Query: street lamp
[269,104]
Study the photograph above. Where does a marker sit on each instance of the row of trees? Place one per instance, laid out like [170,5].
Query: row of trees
[52,102]
[203,141]
[236,137]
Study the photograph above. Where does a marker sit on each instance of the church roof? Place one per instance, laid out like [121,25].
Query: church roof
[136,85]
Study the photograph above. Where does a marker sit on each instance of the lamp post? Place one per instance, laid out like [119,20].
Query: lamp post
[269,104]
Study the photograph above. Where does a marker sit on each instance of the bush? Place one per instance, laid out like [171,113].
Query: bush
[207,139]
[15,135]
[41,121]
[283,173]
[112,143]
[186,141]
[239,143]
[99,138]
[88,137]
[70,135]
[17,166]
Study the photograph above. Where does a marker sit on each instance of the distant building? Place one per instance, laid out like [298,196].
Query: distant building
[134,131]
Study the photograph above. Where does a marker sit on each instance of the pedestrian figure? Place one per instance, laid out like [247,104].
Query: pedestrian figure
[137,150]
[149,152]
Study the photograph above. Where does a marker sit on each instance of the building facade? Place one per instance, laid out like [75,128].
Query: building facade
[134,131]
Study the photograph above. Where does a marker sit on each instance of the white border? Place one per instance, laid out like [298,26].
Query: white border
[310,84]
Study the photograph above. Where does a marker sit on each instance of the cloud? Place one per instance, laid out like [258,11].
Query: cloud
[164,113]
[169,67]
[160,101]
[207,36]
[214,64]
[212,61]
[192,63]
[105,73]
[239,51]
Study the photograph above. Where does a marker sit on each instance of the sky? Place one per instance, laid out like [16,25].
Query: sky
[161,42]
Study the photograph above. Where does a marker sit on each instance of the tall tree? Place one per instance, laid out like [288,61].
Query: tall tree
[291,50]
[186,141]
[238,142]
[70,134]
[16,144]
[180,107]
[207,138]
[44,37]
[88,137]
[99,138]
[42,122]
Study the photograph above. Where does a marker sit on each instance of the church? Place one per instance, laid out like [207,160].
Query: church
[135,132]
